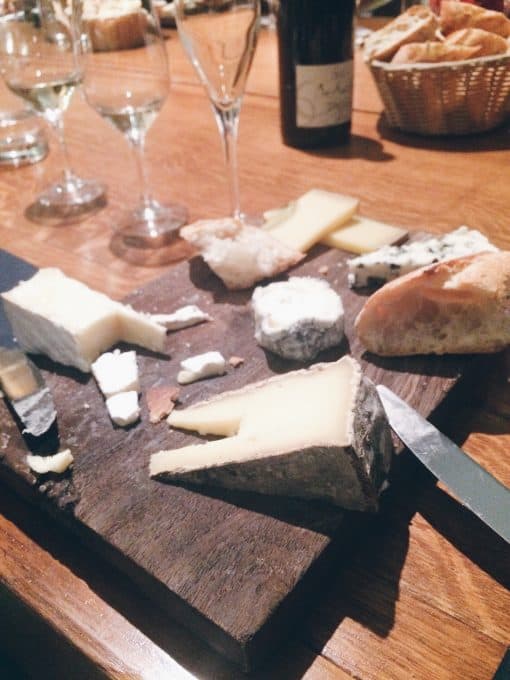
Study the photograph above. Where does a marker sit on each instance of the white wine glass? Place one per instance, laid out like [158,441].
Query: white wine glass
[219,37]
[40,63]
[126,80]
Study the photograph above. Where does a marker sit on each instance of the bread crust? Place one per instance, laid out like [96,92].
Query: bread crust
[416,24]
[485,43]
[454,307]
[455,15]
[432,52]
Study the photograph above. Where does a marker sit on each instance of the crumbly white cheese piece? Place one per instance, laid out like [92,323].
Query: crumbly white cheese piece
[315,433]
[123,408]
[58,316]
[201,366]
[190,315]
[392,261]
[57,463]
[298,318]
[238,253]
[116,372]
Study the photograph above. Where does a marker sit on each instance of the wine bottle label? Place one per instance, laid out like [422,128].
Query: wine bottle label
[323,94]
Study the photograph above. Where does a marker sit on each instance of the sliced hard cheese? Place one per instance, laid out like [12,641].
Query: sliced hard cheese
[315,433]
[58,316]
[306,221]
[363,235]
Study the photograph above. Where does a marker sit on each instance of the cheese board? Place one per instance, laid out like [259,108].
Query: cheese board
[231,566]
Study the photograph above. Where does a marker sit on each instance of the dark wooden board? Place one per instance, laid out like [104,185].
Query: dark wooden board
[232,567]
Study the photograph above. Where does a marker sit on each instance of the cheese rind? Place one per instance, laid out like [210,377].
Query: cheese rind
[390,262]
[306,221]
[315,433]
[298,318]
[363,235]
[58,316]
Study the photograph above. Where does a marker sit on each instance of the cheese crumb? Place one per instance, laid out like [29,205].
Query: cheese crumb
[116,372]
[190,315]
[201,366]
[57,463]
[123,408]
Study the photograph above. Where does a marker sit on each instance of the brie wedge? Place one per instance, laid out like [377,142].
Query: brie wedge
[58,316]
[318,433]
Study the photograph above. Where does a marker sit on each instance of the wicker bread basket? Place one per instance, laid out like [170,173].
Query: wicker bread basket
[449,98]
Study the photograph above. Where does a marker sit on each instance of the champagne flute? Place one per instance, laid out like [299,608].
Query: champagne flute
[219,37]
[39,63]
[126,80]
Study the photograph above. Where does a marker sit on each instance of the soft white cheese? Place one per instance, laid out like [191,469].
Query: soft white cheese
[58,316]
[57,463]
[298,318]
[190,315]
[201,366]
[123,408]
[116,372]
[391,262]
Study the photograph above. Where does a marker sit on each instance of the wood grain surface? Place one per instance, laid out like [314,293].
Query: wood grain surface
[425,592]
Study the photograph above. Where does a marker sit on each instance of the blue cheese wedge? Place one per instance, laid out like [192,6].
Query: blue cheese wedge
[124,408]
[316,433]
[201,366]
[390,262]
[62,318]
[298,318]
[116,372]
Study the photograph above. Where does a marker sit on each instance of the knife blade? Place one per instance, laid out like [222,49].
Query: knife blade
[20,380]
[23,385]
[474,486]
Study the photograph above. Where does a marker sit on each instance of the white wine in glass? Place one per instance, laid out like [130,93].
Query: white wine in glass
[219,37]
[126,80]
[39,60]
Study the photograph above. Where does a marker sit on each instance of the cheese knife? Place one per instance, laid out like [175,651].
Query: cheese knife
[21,382]
[474,486]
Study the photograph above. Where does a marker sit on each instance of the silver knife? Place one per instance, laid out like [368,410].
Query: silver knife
[23,385]
[476,488]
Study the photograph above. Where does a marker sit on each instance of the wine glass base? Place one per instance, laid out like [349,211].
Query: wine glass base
[149,235]
[69,201]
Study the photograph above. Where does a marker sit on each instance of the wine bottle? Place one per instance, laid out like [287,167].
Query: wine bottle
[315,50]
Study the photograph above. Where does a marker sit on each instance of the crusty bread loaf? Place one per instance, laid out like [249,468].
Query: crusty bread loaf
[457,306]
[431,52]
[484,42]
[115,24]
[455,15]
[239,254]
[416,24]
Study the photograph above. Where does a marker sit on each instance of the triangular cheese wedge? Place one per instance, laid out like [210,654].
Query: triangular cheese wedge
[318,433]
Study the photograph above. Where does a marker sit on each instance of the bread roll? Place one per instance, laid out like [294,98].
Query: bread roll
[416,24]
[431,52]
[485,43]
[115,24]
[456,15]
[457,306]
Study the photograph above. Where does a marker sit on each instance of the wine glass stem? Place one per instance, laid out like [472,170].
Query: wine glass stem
[138,146]
[57,123]
[228,124]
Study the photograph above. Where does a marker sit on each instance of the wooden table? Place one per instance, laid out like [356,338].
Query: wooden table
[424,593]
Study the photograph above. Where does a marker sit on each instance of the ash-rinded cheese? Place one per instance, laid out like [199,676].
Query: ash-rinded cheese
[305,221]
[190,315]
[298,318]
[58,316]
[124,408]
[318,433]
[201,366]
[57,463]
[116,372]
[391,262]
